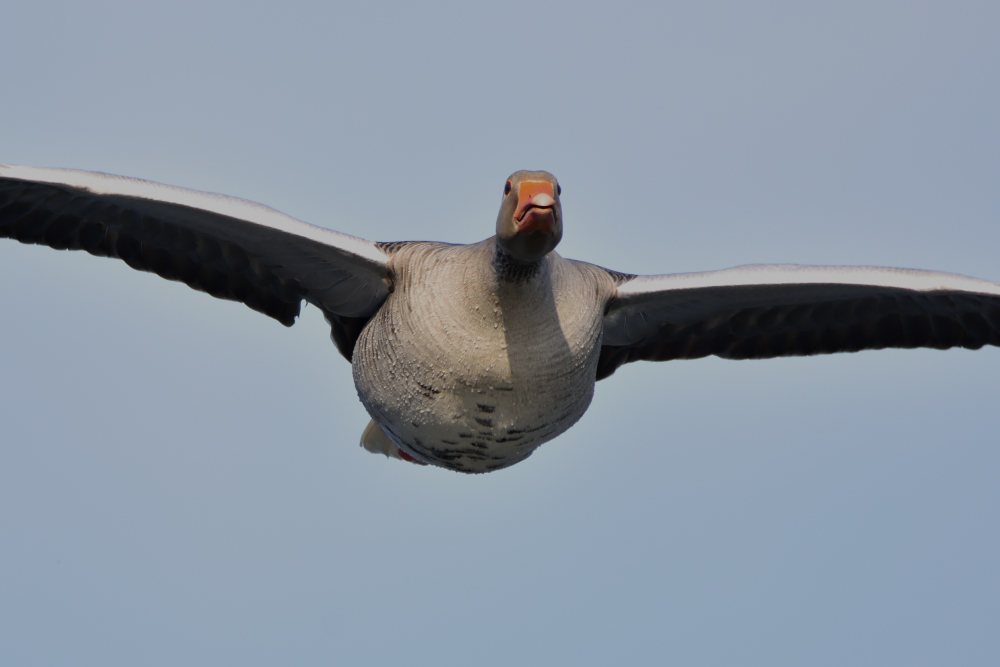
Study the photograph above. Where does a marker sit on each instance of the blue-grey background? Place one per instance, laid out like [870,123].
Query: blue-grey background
[180,478]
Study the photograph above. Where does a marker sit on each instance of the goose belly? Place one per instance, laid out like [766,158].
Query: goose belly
[463,419]
[475,389]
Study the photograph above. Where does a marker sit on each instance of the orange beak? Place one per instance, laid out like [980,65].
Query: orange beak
[535,207]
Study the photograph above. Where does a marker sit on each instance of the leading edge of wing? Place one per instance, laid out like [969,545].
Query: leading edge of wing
[791,274]
[110,185]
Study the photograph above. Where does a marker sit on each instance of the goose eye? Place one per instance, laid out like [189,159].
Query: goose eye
[558,189]
[506,189]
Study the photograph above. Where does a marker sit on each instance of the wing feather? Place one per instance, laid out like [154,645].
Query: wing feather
[764,311]
[228,247]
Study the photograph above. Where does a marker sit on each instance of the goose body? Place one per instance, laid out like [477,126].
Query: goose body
[472,372]
[471,356]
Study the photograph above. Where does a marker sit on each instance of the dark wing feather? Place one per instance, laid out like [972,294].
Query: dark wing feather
[228,247]
[764,311]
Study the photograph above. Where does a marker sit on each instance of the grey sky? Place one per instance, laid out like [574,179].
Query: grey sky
[180,478]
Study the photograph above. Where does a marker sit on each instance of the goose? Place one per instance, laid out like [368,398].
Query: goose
[469,357]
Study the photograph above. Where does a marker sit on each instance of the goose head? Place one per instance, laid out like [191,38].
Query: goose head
[529,225]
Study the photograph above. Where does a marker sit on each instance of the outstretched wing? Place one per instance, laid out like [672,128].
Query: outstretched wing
[228,247]
[763,311]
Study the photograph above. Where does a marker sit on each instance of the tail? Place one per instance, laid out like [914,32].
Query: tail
[376,441]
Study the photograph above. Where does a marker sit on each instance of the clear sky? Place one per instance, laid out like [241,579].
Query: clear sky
[180,478]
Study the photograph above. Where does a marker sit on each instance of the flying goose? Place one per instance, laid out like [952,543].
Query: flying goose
[469,357]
